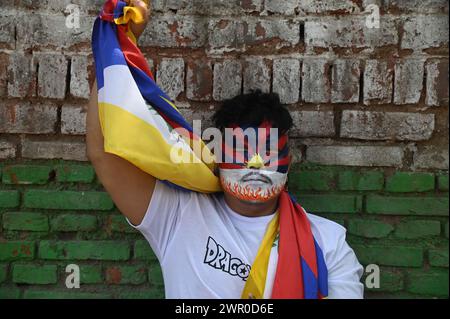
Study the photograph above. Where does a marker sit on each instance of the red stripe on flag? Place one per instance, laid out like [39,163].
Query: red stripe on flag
[107,13]
[132,53]
[289,277]
[306,238]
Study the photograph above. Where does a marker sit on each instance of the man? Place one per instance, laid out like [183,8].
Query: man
[211,245]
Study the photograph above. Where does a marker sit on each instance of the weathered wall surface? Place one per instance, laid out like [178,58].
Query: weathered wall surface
[370,142]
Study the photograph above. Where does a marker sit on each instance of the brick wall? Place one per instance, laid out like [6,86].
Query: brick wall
[370,139]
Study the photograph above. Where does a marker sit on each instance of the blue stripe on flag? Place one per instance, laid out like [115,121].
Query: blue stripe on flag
[107,52]
[152,94]
[322,271]
[118,11]
[175,186]
[310,286]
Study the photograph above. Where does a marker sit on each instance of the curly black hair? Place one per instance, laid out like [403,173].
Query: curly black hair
[252,109]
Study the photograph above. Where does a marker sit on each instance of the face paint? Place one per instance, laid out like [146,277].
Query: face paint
[256,172]
[252,185]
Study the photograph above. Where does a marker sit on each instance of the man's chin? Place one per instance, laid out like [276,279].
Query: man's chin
[254,200]
[261,202]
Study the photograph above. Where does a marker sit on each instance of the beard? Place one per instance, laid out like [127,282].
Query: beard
[254,186]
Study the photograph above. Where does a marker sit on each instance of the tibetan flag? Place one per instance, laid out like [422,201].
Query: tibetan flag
[138,120]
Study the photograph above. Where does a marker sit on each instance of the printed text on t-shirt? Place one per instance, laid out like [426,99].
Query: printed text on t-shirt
[217,257]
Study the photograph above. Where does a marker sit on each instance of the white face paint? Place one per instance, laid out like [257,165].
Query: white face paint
[252,185]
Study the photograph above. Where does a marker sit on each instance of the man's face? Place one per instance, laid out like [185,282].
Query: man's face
[255,163]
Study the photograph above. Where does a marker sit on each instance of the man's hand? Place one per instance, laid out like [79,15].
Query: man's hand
[145,9]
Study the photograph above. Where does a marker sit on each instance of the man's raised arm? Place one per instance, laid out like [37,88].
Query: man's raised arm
[129,187]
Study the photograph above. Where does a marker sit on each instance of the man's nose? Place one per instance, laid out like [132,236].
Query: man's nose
[256,162]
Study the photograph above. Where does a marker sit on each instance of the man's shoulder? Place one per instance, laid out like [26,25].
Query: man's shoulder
[323,222]
[325,230]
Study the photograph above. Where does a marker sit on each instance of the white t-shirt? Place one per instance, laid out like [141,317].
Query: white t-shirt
[206,250]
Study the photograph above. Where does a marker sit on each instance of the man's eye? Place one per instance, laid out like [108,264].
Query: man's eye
[272,153]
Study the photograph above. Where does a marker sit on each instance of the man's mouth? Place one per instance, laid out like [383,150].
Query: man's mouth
[256,177]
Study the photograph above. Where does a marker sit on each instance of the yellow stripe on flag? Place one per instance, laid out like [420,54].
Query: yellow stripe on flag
[129,137]
[130,13]
[256,281]
[170,103]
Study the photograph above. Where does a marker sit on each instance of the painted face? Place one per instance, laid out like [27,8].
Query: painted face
[255,163]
